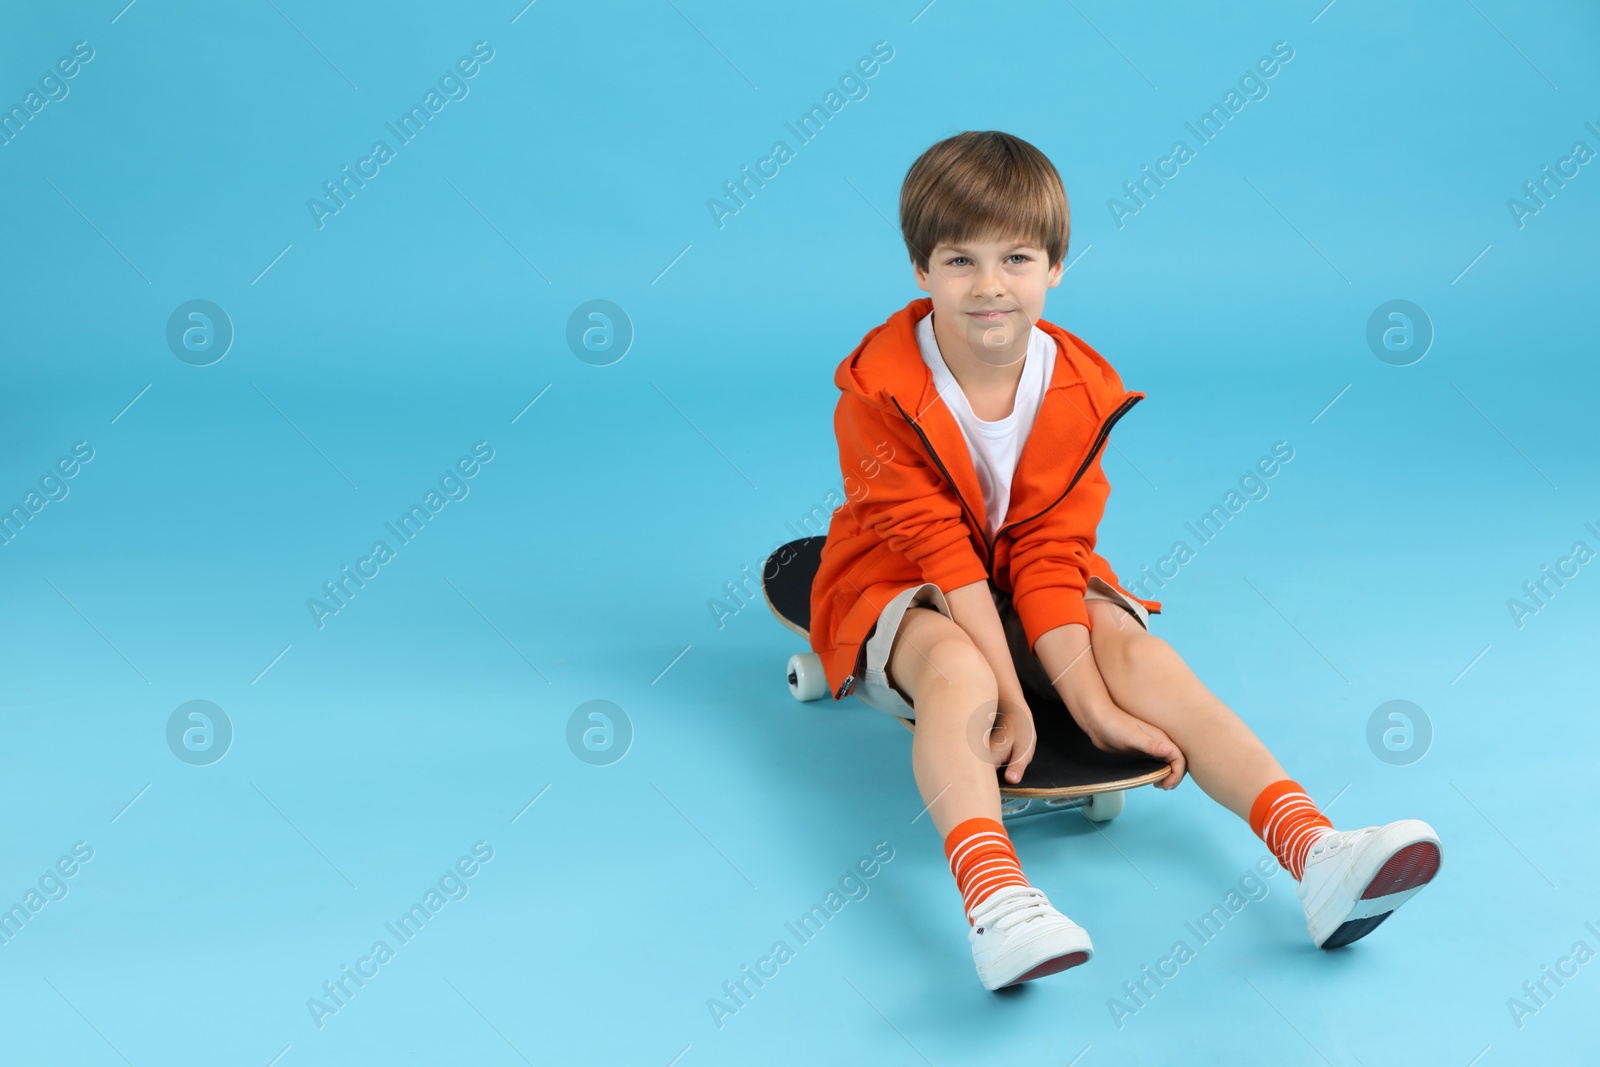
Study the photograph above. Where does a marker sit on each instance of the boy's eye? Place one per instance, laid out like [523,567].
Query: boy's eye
[956,261]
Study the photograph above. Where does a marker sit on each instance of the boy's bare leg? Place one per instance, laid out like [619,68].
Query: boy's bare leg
[946,678]
[1149,680]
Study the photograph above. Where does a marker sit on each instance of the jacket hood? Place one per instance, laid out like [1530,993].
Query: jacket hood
[888,363]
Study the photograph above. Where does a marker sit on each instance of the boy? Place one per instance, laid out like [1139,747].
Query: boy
[970,558]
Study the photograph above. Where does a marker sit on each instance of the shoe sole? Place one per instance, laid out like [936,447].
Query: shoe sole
[1048,967]
[1077,950]
[1401,875]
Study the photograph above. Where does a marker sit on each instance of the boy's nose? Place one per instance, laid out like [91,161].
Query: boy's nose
[987,284]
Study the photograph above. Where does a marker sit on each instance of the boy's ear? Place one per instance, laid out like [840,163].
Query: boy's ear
[1056,272]
[921,276]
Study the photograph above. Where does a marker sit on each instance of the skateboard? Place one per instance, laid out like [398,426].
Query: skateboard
[1067,772]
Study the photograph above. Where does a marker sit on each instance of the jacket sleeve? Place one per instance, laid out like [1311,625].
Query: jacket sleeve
[897,493]
[1050,559]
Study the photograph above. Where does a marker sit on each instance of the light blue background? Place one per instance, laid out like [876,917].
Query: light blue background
[427,714]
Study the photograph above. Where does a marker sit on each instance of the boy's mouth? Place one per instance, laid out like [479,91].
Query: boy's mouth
[988,316]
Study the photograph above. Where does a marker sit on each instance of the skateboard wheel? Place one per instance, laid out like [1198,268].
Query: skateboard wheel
[807,681]
[1103,807]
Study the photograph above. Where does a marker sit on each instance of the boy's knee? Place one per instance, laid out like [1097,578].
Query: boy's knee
[1134,651]
[944,658]
[955,661]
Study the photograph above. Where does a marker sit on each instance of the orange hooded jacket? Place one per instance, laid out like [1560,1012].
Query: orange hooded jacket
[915,509]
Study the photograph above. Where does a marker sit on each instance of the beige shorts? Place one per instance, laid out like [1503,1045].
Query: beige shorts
[872,663]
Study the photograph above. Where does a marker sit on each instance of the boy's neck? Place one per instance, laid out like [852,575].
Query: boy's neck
[990,382]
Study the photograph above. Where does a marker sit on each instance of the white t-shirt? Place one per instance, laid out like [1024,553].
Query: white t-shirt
[994,446]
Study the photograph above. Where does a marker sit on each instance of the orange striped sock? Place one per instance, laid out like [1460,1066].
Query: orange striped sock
[1286,819]
[982,860]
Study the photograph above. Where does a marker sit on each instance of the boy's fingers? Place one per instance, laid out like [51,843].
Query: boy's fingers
[1159,745]
[1023,750]
[1154,742]
[1166,749]
[999,746]
[1011,749]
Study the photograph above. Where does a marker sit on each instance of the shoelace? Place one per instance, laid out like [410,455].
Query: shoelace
[1025,905]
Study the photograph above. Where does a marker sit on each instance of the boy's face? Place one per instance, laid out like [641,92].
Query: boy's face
[988,293]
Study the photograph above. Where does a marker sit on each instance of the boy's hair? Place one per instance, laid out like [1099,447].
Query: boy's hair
[980,184]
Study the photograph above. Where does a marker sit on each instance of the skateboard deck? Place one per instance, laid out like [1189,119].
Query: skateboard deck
[1066,764]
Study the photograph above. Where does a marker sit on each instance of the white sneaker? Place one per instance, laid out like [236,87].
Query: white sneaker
[1354,879]
[1018,936]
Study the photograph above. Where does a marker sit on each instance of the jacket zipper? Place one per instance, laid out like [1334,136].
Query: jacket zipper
[989,545]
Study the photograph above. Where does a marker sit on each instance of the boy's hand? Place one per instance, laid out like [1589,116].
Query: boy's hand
[1114,730]
[1013,739]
